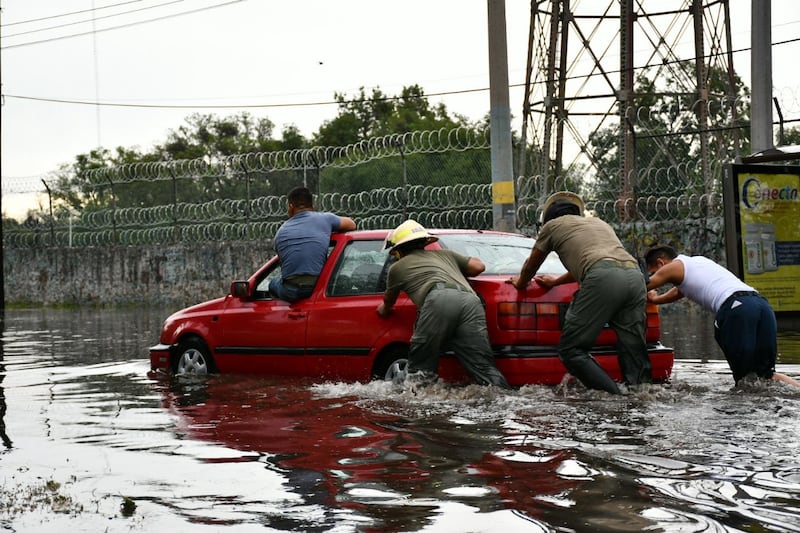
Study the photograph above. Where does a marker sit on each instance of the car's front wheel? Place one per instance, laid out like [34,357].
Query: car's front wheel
[193,357]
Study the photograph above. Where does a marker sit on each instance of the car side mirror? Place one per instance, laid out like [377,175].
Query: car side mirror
[240,289]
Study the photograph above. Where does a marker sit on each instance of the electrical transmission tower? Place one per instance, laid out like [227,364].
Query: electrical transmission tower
[618,89]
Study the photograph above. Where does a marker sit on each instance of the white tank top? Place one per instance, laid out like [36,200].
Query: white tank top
[707,283]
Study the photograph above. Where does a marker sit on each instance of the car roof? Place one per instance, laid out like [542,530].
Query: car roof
[381,233]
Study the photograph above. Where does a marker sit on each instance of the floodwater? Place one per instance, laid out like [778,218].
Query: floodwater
[91,442]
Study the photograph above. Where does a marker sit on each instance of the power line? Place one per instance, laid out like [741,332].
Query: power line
[139,23]
[161,106]
[67,14]
[330,102]
[92,20]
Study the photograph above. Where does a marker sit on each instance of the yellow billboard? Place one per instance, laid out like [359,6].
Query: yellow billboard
[766,221]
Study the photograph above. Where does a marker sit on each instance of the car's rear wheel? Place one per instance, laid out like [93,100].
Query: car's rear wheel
[397,371]
[193,357]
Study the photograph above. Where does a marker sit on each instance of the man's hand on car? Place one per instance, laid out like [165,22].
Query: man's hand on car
[514,280]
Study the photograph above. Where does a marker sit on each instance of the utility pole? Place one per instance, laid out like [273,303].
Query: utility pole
[761,75]
[627,112]
[503,200]
[701,101]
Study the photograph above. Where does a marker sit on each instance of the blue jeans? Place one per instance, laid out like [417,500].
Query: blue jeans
[288,291]
[746,330]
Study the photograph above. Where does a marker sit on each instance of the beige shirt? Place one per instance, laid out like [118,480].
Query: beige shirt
[420,270]
[580,242]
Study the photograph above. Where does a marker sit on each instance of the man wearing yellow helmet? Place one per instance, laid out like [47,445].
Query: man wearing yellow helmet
[449,314]
[612,292]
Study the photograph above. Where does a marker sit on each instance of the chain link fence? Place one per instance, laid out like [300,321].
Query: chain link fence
[440,178]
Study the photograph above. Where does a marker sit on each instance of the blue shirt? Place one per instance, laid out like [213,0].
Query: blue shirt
[302,242]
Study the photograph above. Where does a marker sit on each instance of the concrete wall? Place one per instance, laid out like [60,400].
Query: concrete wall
[177,275]
[172,276]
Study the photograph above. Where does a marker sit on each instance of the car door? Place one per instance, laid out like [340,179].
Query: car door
[263,334]
[344,330]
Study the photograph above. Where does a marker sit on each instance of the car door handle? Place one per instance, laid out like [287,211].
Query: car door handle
[297,314]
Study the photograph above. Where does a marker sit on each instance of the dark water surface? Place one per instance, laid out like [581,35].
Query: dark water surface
[91,442]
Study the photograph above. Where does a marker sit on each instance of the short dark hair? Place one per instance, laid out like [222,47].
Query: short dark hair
[301,197]
[408,247]
[660,251]
[561,208]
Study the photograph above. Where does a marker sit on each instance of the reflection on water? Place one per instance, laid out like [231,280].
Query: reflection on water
[249,452]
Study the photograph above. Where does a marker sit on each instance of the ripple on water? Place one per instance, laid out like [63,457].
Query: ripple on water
[693,455]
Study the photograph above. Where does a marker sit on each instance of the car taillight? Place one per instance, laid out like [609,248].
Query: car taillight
[653,320]
[527,315]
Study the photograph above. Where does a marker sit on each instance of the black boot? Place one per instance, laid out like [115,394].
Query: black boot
[589,372]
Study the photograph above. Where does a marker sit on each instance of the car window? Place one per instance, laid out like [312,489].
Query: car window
[361,269]
[502,254]
[262,288]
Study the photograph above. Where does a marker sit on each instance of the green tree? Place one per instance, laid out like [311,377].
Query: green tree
[363,117]
[79,185]
[213,139]
[413,112]
[356,120]
[791,137]
[218,137]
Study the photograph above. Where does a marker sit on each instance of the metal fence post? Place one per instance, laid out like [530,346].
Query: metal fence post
[115,237]
[52,221]
[316,164]
[247,198]
[401,149]
[174,204]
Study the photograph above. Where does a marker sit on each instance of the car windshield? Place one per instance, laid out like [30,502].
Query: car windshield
[502,254]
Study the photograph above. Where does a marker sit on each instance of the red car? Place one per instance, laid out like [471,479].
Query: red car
[337,335]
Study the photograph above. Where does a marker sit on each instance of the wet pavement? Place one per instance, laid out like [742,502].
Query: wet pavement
[92,442]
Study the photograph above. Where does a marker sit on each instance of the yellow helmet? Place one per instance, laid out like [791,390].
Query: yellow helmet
[410,230]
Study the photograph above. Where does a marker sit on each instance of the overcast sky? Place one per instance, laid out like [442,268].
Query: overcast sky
[164,53]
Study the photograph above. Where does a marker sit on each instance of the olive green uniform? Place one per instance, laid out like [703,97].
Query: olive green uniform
[612,291]
[449,314]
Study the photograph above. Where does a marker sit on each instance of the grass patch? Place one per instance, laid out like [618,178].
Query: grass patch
[44,494]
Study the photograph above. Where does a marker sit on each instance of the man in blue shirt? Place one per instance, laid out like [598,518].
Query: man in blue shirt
[302,245]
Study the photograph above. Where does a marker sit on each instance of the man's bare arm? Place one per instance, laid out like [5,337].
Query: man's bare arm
[385,307]
[475,267]
[549,280]
[668,297]
[346,224]
[532,264]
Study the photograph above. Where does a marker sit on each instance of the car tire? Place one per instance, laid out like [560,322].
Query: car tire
[193,357]
[397,371]
[391,365]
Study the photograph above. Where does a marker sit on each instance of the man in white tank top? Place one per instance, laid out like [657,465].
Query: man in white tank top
[744,323]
